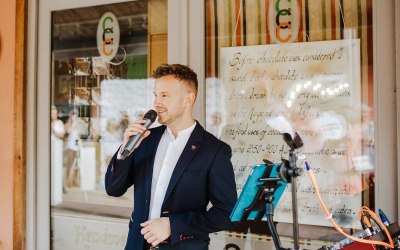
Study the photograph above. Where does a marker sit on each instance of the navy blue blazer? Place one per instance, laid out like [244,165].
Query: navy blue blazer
[203,173]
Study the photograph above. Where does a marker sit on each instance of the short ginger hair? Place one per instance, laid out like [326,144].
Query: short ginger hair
[179,71]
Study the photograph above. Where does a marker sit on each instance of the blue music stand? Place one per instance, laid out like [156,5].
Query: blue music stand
[261,192]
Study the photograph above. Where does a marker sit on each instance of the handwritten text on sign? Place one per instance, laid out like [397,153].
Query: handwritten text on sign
[310,88]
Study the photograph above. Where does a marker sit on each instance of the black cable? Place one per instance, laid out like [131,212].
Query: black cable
[273,232]
[367,230]
[380,229]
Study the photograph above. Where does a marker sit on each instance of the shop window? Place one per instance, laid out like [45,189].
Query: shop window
[275,67]
[102,59]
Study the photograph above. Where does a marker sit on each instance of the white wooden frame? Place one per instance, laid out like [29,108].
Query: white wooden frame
[397,39]
[385,107]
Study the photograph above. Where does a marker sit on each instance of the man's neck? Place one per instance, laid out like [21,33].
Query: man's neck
[181,126]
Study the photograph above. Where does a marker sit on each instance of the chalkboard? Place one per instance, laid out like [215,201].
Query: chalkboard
[310,88]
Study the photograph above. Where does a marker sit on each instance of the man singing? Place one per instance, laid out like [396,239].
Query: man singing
[176,170]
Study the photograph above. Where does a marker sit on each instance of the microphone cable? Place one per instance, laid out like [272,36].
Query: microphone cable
[364,209]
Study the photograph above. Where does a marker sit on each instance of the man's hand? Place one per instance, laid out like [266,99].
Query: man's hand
[134,129]
[156,231]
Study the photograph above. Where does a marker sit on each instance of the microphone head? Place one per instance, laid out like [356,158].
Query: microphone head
[151,115]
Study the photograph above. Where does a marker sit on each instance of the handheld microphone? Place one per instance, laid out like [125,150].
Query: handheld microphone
[150,117]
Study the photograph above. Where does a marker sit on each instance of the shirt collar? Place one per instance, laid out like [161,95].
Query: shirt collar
[186,131]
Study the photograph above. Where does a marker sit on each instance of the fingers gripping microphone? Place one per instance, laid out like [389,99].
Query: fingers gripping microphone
[150,117]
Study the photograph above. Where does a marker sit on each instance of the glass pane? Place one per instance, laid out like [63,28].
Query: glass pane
[276,67]
[101,63]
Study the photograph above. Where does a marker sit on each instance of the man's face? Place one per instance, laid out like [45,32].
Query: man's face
[171,99]
[54,114]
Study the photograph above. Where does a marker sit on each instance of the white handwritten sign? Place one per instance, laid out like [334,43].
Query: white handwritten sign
[76,232]
[310,88]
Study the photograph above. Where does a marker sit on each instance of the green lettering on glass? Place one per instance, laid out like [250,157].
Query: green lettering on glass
[278,8]
[104,23]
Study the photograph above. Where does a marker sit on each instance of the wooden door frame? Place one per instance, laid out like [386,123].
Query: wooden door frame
[19,156]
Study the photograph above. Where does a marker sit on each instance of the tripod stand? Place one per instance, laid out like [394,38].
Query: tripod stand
[264,184]
[289,174]
[262,191]
[271,184]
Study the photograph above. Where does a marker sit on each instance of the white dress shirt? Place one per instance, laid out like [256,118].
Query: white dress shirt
[168,152]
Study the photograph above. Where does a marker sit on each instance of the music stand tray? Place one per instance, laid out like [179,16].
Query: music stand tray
[251,203]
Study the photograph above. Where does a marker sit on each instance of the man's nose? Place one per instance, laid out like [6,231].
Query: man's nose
[156,102]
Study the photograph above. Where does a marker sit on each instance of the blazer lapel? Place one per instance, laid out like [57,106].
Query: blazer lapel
[188,152]
[152,147]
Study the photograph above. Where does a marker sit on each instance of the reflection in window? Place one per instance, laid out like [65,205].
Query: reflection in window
[100,84]
[102,57]
[279,66]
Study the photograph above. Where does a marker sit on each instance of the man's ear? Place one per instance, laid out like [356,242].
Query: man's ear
[190,98]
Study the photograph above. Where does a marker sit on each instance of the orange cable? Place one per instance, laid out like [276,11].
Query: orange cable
[340,230]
